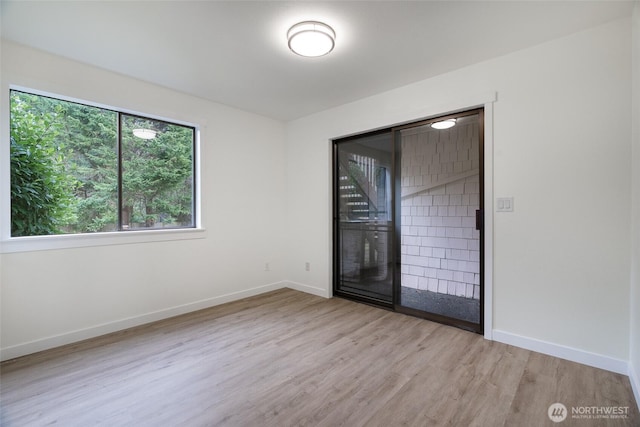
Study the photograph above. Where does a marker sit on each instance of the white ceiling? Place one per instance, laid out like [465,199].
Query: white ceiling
[235,52]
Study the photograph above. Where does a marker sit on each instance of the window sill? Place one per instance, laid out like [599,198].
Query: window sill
[70,241]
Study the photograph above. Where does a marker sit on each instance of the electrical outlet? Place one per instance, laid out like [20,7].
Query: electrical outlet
[307,266]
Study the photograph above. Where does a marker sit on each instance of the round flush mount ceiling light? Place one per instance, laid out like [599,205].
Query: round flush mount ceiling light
[311,38]
[444,124]
[144,133]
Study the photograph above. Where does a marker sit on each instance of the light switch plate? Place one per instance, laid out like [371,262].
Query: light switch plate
[504,204]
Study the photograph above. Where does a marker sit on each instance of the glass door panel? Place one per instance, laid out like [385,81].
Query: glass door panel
[438,199]
[408,223]
[363,218]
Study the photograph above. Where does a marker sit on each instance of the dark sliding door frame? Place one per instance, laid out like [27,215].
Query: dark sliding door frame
[337,291]
[463,324]
[396,257]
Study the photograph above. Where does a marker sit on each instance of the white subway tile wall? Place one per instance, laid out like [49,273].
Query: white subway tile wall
[440,185]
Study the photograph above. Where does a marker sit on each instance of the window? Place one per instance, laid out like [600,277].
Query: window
[82,169]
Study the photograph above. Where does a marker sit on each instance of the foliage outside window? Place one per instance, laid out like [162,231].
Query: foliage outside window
[81,169]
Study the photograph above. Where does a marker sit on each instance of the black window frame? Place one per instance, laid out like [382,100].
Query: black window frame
[120,113]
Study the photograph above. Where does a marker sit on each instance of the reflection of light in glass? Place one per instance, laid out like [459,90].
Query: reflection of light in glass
[444,124]
[311,38]
[144,133]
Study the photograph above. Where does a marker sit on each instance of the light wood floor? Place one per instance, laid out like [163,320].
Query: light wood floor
[290,359]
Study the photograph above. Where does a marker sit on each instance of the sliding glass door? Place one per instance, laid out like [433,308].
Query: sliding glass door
[363,217]
[439,217]
[408,222]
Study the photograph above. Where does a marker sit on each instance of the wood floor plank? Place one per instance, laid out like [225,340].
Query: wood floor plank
[286,358]
[548,380]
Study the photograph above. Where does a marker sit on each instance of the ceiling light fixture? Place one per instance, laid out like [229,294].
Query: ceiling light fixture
[145,133]
[311,38]
[444,124]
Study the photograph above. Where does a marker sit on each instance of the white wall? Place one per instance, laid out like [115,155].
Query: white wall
[56,296]
[635,191]
[561,148]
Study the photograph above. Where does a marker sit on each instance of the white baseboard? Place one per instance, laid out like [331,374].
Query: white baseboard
[118,325]
[306,288]
[635,383]
[569,353]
